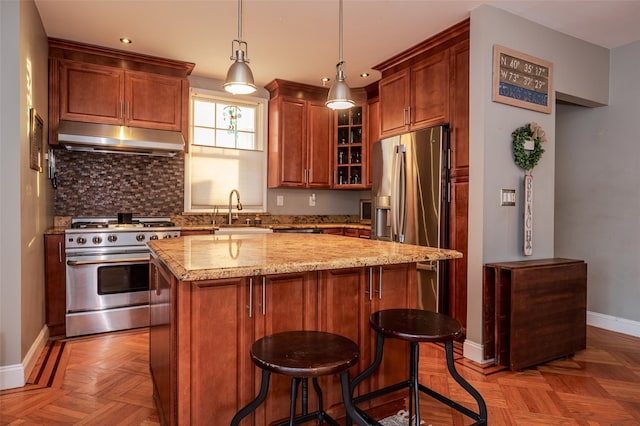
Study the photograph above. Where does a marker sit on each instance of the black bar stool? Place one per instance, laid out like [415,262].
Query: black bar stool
[300,355]
[415,326]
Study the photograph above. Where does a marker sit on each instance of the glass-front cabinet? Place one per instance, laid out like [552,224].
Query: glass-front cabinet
[350,152]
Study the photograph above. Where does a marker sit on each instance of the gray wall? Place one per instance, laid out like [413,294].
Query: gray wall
[26,195]
[597,198]
[581,70]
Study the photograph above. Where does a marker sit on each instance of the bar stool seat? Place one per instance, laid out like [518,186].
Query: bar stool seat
[302,355]
[416,326]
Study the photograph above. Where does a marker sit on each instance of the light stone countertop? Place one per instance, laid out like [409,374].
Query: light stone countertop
[209,257]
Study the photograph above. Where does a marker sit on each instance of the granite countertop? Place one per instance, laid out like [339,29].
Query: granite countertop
[208,257]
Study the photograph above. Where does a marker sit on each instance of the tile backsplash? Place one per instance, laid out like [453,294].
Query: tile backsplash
[100,184]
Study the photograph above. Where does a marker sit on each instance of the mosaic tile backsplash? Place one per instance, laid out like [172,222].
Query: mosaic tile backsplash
[100,184]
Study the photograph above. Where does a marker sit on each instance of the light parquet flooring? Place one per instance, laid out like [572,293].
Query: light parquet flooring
[104,380]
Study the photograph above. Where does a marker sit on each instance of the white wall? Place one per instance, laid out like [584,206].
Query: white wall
[580,70]
[597,197]
[26,195]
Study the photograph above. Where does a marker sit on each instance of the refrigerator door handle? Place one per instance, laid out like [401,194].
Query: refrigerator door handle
[402,198]
[394,205]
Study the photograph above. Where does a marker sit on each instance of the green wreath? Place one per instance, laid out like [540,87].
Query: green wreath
[527,159]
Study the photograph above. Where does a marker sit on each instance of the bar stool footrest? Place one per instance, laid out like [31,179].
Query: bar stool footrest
[316,415]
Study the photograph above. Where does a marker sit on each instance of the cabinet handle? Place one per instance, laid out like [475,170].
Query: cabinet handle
[379,290]
[409,115]
[250,297]
[59,252]
[264,297]
[128,110]
[155,277]
[120,113]
[404,116]
[309,176]
[369,292]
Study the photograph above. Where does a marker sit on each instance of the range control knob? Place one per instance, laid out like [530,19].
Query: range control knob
[81,240]
[165,236]
[97,240]
[140,237]
[153,237]
[112,238]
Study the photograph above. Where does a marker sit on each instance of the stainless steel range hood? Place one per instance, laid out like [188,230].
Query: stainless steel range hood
[79,136]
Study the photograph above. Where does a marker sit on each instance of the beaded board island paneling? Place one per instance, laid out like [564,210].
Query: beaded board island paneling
[100,184]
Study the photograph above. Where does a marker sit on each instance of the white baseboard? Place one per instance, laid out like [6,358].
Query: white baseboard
[475,351]
[16,375]
[611,323]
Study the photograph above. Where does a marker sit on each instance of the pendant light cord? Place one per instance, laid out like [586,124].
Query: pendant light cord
[340,43]
[240,20]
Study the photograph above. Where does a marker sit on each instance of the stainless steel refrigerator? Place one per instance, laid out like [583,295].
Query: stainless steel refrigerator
[410,202]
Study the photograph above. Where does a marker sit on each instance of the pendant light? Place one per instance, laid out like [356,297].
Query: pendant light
[239,77]
[340,95]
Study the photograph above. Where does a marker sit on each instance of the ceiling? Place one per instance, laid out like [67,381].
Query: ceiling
[298,39]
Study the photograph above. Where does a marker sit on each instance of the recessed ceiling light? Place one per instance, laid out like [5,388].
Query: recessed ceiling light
[125,40]
[364,75]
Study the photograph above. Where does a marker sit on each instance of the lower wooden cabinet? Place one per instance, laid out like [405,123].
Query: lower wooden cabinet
[55,284]
[201,333]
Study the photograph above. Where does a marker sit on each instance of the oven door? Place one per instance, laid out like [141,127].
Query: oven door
[106,281]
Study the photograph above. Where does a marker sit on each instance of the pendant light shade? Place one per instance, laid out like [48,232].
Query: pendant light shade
[340,95]
[239,79]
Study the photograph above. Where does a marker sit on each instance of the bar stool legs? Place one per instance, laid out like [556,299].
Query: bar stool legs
[302,355]
[415,326]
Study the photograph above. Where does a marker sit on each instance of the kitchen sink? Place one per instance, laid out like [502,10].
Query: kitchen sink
[230,230]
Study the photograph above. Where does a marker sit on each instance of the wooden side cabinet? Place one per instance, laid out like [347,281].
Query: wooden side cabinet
[535,310]
[55,284]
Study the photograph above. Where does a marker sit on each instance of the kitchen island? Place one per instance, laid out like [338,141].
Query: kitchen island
[213,296]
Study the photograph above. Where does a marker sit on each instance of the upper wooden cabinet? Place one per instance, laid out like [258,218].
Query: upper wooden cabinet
[415,97]
[99,85]
[300,136]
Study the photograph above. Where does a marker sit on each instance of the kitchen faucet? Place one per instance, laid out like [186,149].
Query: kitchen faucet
[238,206]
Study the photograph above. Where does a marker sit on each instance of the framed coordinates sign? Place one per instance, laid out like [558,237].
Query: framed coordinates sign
[521,80]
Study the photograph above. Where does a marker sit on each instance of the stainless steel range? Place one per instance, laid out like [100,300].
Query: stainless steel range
[108,272]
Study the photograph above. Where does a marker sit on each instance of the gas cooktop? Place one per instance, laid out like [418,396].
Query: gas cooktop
[115,224]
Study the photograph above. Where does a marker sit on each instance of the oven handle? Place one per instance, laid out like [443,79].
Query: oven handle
[99,262]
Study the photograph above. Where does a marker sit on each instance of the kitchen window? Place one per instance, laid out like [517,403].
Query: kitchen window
[226,152]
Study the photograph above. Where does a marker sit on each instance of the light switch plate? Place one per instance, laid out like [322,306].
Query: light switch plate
[280,200]
[507,197]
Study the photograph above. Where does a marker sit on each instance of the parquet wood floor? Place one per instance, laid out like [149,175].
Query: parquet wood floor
[104,380]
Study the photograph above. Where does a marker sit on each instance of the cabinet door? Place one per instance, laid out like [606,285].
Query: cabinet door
[55,284]
[282,303]
[287,142]
[340,311]
[153,101]
[393,286]
[318,170]
[459,107]
[430,91]
[225,338]
[394,102]
[91,93]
